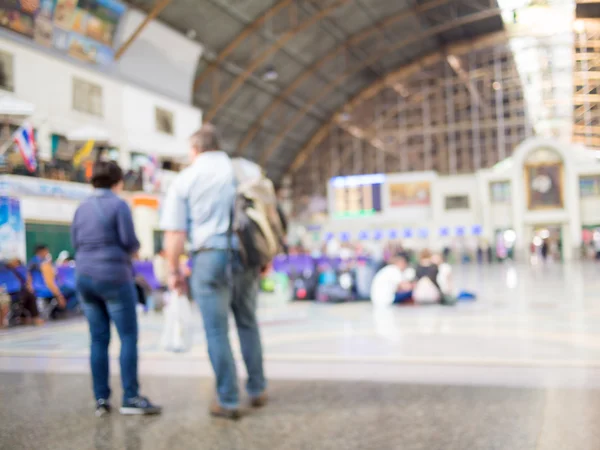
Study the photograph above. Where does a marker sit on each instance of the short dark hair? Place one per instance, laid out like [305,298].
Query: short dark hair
[106,174]
[40,247]
[402,255]
[206,138]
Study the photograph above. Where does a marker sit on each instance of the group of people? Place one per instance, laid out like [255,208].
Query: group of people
[37,280]
[427,283]
[197,208]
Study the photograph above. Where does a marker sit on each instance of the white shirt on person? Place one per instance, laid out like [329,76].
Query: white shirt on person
[385,284]
[200,201]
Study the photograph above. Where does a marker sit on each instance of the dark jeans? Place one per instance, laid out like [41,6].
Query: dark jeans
[70,296]
[28,301]
[103,301]
[212,289]
[403,297]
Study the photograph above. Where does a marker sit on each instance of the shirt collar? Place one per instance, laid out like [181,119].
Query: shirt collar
[101,192]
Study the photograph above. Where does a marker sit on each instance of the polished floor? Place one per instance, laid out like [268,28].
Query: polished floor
[517,369]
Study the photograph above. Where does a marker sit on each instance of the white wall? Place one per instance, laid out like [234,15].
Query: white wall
[140,126]
[457,185]
[590,210]
[160,59]
[43,209]
[46,81]
[433,217]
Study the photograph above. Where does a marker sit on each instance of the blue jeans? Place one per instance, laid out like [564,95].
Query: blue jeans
[402,297]
[70,296]
[212,290]
[103,301]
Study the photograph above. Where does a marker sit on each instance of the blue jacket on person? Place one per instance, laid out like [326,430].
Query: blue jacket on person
[37,278]
[104,238]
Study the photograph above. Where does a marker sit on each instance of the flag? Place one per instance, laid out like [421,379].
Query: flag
[83,152]
[25,140]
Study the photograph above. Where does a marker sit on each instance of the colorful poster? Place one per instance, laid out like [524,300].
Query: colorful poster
[19,15]
[410,194]
[12,229]
[85,29]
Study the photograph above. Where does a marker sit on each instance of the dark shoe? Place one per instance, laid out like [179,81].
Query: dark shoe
[217,410]
[139,406]
[260,401]
[102,407]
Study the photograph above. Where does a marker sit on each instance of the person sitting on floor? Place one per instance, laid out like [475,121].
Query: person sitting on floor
[444,278]
[426,288]
[393,283]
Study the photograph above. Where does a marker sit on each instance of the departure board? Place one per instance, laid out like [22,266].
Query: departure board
[356,196]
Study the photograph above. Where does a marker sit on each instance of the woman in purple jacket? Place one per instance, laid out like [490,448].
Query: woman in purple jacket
[104,241]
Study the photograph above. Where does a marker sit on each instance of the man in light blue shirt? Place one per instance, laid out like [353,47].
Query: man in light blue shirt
[198,207]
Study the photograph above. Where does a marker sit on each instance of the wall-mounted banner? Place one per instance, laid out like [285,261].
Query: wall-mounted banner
[36,187]
[84,29]
[12,229]
[410,194]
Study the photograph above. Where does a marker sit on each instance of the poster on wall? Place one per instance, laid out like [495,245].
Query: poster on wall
[544,186]
[410,194]
[85,29]
[12,229]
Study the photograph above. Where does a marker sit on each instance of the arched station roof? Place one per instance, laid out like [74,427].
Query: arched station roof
[275,73]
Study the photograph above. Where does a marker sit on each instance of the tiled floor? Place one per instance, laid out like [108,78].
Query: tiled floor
[524,358]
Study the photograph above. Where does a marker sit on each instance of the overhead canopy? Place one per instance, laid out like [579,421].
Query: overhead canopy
[13,106]
[275,72]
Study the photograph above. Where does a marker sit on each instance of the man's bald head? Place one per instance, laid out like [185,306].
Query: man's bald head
[205,139]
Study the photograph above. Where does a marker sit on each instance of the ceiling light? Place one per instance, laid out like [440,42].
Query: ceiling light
[496,85]
[270,74]
[191,34]
[579,26]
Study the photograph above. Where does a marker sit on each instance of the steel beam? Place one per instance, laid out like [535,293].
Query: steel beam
[374,89]
[239,39]
[263,57]
[310,71]
[432,31]
[154,12]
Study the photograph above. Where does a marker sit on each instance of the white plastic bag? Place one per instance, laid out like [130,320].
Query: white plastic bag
[177,334]
[426,292]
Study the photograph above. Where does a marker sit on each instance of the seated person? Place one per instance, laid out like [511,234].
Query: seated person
[393,283]
[426,288]
[4,307]
[444,278]
[43,276]
[26,295]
